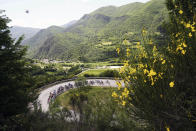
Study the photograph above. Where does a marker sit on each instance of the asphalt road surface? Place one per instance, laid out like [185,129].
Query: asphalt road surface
[44,94]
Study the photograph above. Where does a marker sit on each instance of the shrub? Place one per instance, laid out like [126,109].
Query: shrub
[109,73]
[89,75]
[161,81]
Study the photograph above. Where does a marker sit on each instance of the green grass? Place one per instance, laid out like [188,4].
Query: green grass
[93,92]
[50,73]
[112,62]
[96,64]
[94,72]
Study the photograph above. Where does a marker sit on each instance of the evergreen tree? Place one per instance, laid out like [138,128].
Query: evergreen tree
[13,78]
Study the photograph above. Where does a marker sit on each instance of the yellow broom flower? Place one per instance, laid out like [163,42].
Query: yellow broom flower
[171,84]
[114,95]
[180,12]
[152,73]
[123,103]
[118,50]
[190,35]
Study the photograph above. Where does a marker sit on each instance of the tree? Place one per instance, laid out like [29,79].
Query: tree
[14,79]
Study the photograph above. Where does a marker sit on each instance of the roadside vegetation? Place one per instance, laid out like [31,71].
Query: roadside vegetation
[100,73]
[162,89]
[92,93]
[95,107]
[51,73]
[47,73]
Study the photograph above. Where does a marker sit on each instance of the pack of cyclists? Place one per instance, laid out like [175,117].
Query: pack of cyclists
[62,89]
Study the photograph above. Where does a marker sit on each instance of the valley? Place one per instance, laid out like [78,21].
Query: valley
[95,36]
[97,65]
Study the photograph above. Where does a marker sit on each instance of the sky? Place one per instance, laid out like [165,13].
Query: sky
[45,13]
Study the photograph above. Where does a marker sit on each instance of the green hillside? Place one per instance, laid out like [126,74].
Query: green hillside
[35,42]
[85,40]
[17,31]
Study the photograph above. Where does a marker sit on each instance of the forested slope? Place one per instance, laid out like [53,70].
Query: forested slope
[95,35]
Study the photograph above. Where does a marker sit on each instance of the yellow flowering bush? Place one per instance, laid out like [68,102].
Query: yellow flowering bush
[160,80]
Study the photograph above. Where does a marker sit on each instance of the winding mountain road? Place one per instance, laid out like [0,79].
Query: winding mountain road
[44,94]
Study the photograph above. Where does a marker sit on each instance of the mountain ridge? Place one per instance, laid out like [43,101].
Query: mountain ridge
[28,32]
[84,40]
